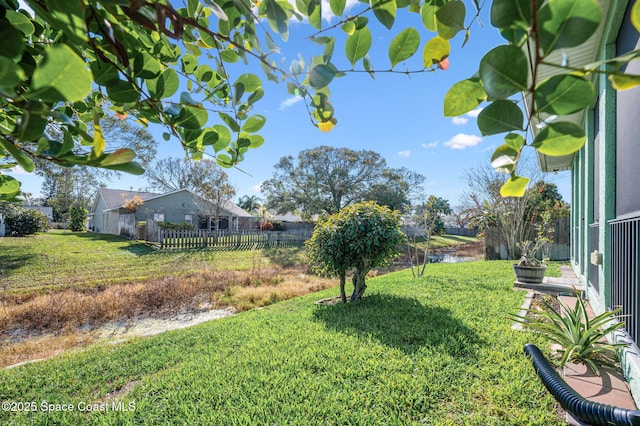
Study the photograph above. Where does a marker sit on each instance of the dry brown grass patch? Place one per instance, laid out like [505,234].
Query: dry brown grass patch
[42,347]
[39,325]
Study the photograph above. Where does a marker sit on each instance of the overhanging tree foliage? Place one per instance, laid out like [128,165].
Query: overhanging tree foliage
[323,180]
[156,63]
[358,238]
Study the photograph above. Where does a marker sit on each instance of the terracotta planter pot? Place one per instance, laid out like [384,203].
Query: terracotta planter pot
[529,274]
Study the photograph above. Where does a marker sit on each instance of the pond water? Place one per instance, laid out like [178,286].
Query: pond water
[450,258]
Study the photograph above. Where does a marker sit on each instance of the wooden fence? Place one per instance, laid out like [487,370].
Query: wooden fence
[496,247]
[173,239]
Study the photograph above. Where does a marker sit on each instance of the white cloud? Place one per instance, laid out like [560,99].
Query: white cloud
[430,145]
[256,188]
[462,141]
[289,102]
[475,112]
[326,9]
[459,121]
[404,154]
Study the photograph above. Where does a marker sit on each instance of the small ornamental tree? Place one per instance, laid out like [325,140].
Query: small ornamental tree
[359,237]
[77,215]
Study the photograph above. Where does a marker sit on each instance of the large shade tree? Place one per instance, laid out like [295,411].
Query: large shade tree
[325,179]
[160,63]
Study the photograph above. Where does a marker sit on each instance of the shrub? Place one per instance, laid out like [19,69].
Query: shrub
[23,222]
[359,237]
[169,226]
[77,216]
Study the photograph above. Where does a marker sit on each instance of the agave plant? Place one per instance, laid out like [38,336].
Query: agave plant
[582,339]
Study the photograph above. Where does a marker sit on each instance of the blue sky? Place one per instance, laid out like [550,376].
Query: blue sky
[397,116]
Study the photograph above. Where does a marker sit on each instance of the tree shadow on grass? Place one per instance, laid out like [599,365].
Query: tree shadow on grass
[403,323]
[10,262]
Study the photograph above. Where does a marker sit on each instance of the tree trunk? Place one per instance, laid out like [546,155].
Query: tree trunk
[343,295]
[359,285]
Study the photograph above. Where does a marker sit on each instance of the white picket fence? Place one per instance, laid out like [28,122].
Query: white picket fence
[174,239]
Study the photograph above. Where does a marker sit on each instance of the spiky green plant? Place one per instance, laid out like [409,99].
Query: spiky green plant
[583,340]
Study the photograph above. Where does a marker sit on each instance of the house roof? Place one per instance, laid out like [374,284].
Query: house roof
[115,198]
[578,56]
[229,206]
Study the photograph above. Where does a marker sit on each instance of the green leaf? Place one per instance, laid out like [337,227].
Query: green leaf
[428,14]
[103,73]
[130,167]
[230,56]
[122,92]
[337,6]
[9,185]
[20,22]
[277,18]
[514,187]
[561,138]
[189,63]
[349,27]
[98,139]
[366,63]
[63,76]
[146,66]
[635,15]
[9,77]
[224,137]
[192,117]
[504,71]
[256,141]
[11,42]
[230,121]
[515,141]
[254,123]
[21,158]
[564,94]
[166,136]
[403,46]
[166,85]
[504,159]
[435,50]
[31,126]
[500,117]
[119,156]
[357,45]
[321,75]
[567,23]
[624,82]
[450,19]
[385,11]
[251,82]
[507,13]
[463,96]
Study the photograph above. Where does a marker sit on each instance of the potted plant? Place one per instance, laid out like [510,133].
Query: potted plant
[531,269]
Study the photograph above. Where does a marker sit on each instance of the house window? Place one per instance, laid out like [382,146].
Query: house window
[188,218]
[627,129]
[158,217]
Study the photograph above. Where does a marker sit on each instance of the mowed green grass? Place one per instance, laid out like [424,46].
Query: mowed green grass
[435,350]
[441,241]
[60,259]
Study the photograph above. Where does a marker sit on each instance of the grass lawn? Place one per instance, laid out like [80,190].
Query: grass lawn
[435,350]
[59,259]
[440,241]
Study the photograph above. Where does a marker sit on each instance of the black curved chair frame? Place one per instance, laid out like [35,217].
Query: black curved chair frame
[590,412]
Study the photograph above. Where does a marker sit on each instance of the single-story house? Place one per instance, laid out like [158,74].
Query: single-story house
[176,207]
[605,205]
